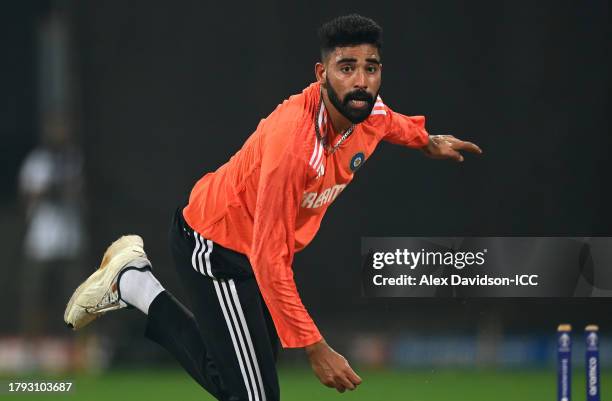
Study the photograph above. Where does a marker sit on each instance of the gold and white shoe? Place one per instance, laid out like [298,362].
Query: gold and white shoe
[100,294]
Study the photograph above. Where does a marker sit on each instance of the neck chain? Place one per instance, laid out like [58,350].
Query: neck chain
[324,140]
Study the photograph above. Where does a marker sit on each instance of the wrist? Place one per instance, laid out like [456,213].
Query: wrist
[431,146]
[313,348]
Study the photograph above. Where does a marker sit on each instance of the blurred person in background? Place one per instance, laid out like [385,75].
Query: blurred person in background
[233,243]
[51,188]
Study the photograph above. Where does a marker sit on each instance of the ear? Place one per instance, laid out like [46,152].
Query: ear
[320,73]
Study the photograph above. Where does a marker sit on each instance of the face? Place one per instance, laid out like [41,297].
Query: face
[352,77]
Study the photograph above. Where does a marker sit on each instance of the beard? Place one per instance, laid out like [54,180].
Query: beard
[353,114]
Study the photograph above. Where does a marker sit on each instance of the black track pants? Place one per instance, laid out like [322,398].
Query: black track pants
[227,341]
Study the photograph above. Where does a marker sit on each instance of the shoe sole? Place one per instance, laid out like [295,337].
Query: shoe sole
[83,307]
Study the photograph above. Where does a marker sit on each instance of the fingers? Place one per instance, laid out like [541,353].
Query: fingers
[467,146]
[332,369]
[343,383]
[354,378]
[340,384]
[348,380]
[458,144]
[329,383]
[454,155]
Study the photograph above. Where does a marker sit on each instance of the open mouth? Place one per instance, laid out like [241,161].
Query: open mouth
[358,104]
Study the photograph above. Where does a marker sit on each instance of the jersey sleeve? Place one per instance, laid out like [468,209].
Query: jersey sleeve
[400,129]
[281,185]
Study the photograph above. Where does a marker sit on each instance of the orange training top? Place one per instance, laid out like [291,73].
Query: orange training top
[268,200]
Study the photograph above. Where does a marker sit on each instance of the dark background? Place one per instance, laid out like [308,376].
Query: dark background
[169,92]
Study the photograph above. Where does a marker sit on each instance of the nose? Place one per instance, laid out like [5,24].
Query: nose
[360,80]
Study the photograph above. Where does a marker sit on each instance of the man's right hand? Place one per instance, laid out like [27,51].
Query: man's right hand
[331,368]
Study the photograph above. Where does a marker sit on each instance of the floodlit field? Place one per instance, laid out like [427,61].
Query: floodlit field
[301,385]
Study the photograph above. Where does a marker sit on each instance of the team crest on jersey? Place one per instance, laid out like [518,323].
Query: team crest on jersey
[356,161]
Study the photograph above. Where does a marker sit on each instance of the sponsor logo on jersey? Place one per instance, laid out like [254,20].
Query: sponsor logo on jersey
[356,161]
[313,200]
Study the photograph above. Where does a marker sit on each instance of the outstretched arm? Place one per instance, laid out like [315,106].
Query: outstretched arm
[410,131]
[448,147]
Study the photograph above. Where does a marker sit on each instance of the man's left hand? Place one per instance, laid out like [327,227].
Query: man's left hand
[448,147]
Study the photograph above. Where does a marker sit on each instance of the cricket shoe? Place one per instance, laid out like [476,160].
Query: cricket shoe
[100,293]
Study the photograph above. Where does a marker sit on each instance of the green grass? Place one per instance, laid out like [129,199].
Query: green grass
[301,385]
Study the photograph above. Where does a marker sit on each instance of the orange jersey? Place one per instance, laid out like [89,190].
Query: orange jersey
[268,200]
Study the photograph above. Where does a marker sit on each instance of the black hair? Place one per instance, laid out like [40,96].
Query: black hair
[349,30]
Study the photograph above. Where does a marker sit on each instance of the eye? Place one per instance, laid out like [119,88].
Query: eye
[346,68]
[372,68]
